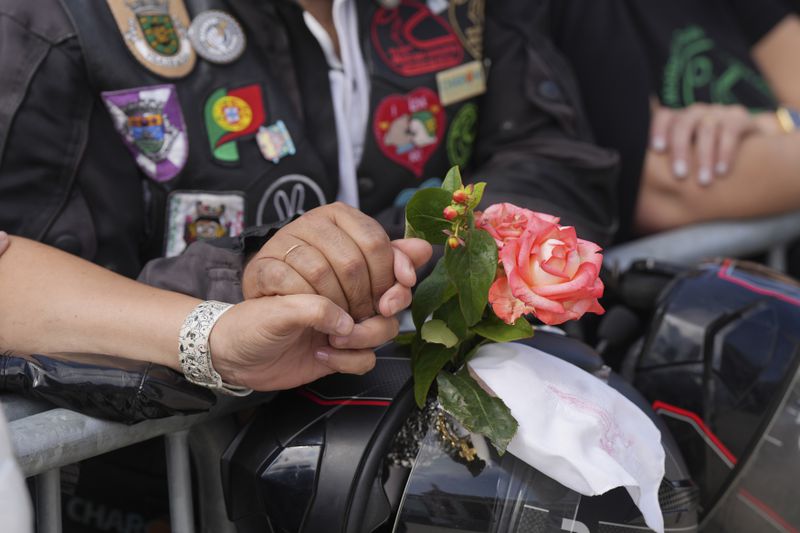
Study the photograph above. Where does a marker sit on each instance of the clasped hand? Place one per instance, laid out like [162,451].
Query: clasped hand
[321,294]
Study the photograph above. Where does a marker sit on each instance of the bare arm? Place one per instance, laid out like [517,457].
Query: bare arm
[53,302]
[776,56]
[764,176]
[764,180]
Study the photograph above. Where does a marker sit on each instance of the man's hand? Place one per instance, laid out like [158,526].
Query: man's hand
[281,342]
[340,253]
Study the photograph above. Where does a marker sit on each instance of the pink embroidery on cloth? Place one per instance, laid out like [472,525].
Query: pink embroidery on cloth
[611,435]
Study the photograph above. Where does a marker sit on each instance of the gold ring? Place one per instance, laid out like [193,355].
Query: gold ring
[290,250]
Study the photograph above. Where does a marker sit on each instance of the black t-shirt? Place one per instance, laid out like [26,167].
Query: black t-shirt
[682,51]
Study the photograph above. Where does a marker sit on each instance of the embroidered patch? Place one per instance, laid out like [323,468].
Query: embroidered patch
[217,37]
[275,142]
[152,127]
[461,135]
[231,115]
[461,83]
[200,216]
[289,195]
[409,127]
[412,41]
[155,31]
[466,17]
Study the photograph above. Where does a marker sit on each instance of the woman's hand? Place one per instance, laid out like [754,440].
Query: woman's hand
[338,252]
[713,131]
[4,241]
[281,342]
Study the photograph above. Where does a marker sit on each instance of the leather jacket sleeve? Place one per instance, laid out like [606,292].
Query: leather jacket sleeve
[534,144]
[44,116]
[65,177]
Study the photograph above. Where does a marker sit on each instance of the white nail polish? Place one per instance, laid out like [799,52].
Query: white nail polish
[322,356]
[659,144]
[704,177]
[721,168]
[680,169]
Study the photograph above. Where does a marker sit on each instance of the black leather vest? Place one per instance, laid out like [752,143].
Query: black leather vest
[406,49]
[411,135]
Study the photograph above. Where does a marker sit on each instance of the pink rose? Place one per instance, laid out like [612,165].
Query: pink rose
[507,221]
[549,272]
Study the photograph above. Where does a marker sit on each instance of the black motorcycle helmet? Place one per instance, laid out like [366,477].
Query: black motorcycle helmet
[720,364]
[334,457]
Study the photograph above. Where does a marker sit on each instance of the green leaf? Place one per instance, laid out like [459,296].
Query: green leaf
[410,232]
[429,362]
[472,268]
[452,181]
[416,347]
[450,312]
[431,293]
[405,339]
[424,217]
[436,331]
[462,397]
[493,328]
[477,195]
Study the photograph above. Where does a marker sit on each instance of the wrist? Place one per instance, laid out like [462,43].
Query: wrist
[220,342]
[768,123]
[194,347]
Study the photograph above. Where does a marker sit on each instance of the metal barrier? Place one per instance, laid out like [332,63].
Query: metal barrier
[691,244]
[45,439]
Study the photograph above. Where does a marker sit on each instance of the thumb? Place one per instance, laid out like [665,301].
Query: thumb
[301,311]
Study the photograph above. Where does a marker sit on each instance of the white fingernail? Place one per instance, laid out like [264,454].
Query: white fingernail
[721,168]
[704,177]
[680,169]
[322,356]
[659,144]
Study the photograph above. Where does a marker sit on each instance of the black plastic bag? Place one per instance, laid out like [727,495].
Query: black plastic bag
[112,388]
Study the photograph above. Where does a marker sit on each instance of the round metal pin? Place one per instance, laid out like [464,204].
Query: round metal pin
[217,37]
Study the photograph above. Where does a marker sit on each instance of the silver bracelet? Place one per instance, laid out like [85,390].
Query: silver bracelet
[195,352]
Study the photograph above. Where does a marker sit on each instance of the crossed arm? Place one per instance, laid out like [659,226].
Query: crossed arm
[757,173]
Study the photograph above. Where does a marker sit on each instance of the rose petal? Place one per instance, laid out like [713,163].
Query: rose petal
[503,303]
[584,278]
[525,293]
[541,278]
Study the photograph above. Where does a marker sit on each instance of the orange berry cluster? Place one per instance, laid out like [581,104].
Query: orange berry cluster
[455,213]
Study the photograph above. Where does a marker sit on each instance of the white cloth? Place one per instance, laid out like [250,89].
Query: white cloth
[15,505]
[575,428]
[350,88]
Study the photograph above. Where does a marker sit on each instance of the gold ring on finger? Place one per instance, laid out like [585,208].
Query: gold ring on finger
[290,250]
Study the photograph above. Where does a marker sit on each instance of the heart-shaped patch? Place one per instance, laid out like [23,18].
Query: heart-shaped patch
[409,127]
